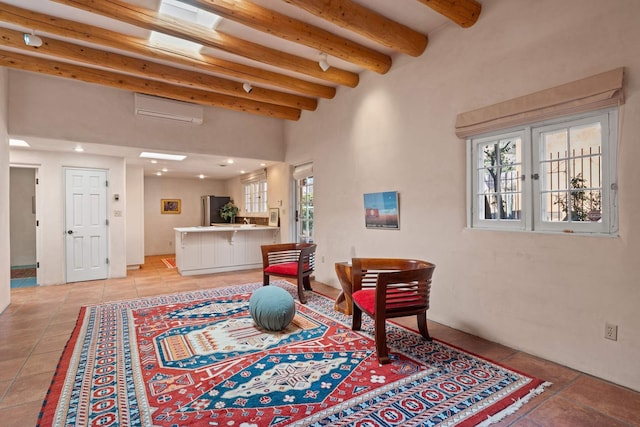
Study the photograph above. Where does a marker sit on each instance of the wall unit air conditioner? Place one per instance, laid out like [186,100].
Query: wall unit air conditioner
[163,108]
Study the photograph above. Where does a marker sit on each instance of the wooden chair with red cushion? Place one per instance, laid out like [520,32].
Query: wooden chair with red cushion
[385,288]
[293,260]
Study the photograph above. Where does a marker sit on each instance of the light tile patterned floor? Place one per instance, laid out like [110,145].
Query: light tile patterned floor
[36,326]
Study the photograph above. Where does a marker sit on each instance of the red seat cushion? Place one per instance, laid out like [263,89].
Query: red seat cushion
[286,268]
[366,299]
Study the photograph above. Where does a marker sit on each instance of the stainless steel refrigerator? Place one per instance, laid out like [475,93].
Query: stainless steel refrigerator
[210,209]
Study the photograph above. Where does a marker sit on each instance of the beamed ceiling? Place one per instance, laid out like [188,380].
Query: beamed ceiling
[273,45]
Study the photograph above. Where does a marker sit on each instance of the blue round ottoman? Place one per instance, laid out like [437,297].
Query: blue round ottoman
[272,308]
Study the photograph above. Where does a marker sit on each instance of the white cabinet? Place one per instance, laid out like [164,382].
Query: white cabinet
[203,250]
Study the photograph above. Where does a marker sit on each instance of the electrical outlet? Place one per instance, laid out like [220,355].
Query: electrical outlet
[611,331]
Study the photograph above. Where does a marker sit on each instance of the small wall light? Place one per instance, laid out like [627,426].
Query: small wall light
[323,62]
[32,40]
[247,87]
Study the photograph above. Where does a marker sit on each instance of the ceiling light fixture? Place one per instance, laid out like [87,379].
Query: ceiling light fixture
[162,156]
[32,40]
[159,173]
[247,87]
[165,170]
[323,62]
[78,149]
[201,176]
[230,161]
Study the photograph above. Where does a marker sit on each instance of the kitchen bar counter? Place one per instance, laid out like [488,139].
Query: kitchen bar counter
[221,247]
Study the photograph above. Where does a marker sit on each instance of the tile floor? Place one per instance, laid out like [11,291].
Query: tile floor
[36,326]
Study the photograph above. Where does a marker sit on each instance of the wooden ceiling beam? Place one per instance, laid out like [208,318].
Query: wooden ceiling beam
[463,12]
[149,87]
[90,34]
[144,68]
[294,30]
[363,21]
[154,21]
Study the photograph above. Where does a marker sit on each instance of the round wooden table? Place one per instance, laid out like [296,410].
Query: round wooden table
[343,302]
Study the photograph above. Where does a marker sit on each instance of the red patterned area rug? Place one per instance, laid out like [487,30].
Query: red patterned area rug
[169,262]
[198,359]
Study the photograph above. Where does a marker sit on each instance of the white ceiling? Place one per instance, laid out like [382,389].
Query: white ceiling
[411,13]
[211,166]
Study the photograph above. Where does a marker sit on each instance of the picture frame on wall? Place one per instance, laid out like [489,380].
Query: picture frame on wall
[170,206]
[381,210]
[274,217]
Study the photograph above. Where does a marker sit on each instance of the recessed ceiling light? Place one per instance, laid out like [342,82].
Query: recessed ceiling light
[165,170]
[230,161]
[18,143]
[242,171]
[153,161]
[162,156]
[78,149]
[263,164]
[159,173]
[201,176]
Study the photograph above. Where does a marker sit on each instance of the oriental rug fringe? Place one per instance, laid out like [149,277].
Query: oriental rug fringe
[198,359]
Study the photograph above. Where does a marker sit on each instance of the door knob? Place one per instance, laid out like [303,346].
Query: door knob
[70,232]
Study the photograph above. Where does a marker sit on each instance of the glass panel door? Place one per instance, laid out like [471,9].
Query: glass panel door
[304,209]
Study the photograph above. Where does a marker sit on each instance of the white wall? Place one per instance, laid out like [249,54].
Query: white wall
[134,214]
[278,195]
[50,208]
[549,295]
[77,111]
[5,273]
[158,228]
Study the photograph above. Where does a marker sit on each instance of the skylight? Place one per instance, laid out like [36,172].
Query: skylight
[188,13]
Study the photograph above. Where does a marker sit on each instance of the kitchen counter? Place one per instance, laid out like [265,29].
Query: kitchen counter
[221,247]
[224,227]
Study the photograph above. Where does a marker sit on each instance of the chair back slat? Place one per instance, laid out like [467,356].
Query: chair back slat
[404,290]
[279,257]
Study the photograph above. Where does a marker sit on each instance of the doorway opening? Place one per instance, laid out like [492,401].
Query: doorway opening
[23,226]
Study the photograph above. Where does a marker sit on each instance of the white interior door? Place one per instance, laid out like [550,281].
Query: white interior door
[86,225]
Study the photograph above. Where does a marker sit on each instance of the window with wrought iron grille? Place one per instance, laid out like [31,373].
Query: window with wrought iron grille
[255,196]
[554,176]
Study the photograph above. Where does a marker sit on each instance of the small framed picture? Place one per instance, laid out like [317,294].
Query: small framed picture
[170,206]
[274,216]
[381,210]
